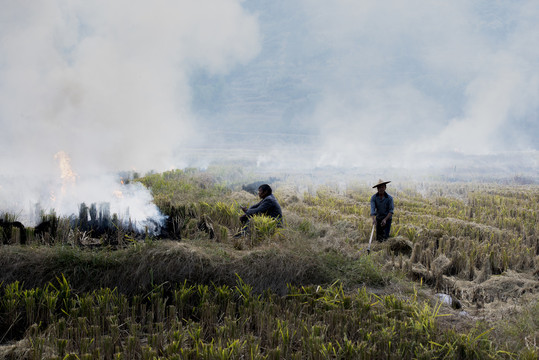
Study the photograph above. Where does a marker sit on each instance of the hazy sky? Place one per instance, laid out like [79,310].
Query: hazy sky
[387,81]
[131,84]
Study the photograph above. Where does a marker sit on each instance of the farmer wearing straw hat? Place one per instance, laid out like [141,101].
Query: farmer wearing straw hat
[381,210]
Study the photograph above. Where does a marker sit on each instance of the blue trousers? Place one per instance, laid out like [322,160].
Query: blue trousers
[382,232]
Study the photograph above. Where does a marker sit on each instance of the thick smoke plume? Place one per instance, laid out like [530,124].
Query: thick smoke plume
[104,84]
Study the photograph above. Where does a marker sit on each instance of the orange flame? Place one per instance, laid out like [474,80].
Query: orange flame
[66,173]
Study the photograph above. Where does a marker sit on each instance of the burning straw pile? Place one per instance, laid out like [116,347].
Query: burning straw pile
[94,226]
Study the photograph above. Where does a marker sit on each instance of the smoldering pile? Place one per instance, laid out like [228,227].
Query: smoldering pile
[94,226]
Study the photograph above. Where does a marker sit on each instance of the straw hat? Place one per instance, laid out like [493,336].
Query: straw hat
[380,183]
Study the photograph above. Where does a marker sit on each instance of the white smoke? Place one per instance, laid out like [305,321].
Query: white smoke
[107,84]
[419,77]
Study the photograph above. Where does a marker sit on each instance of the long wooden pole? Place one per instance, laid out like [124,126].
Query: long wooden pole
[370,240]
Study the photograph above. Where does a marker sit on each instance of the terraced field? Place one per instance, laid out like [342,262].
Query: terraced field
[458,277]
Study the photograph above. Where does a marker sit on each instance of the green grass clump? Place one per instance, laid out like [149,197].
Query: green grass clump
[364,270]
[183,187]
[263,228]
[214,322]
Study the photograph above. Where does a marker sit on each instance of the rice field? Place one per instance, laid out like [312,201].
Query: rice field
[307,290]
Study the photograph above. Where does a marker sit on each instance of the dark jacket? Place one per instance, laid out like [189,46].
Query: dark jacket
[381,207]
[268,206]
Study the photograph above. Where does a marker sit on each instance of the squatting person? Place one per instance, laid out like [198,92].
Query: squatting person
[382,210]
[267,206]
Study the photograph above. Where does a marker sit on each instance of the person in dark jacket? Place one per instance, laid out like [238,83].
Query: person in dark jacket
[267,206]
[382,211]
